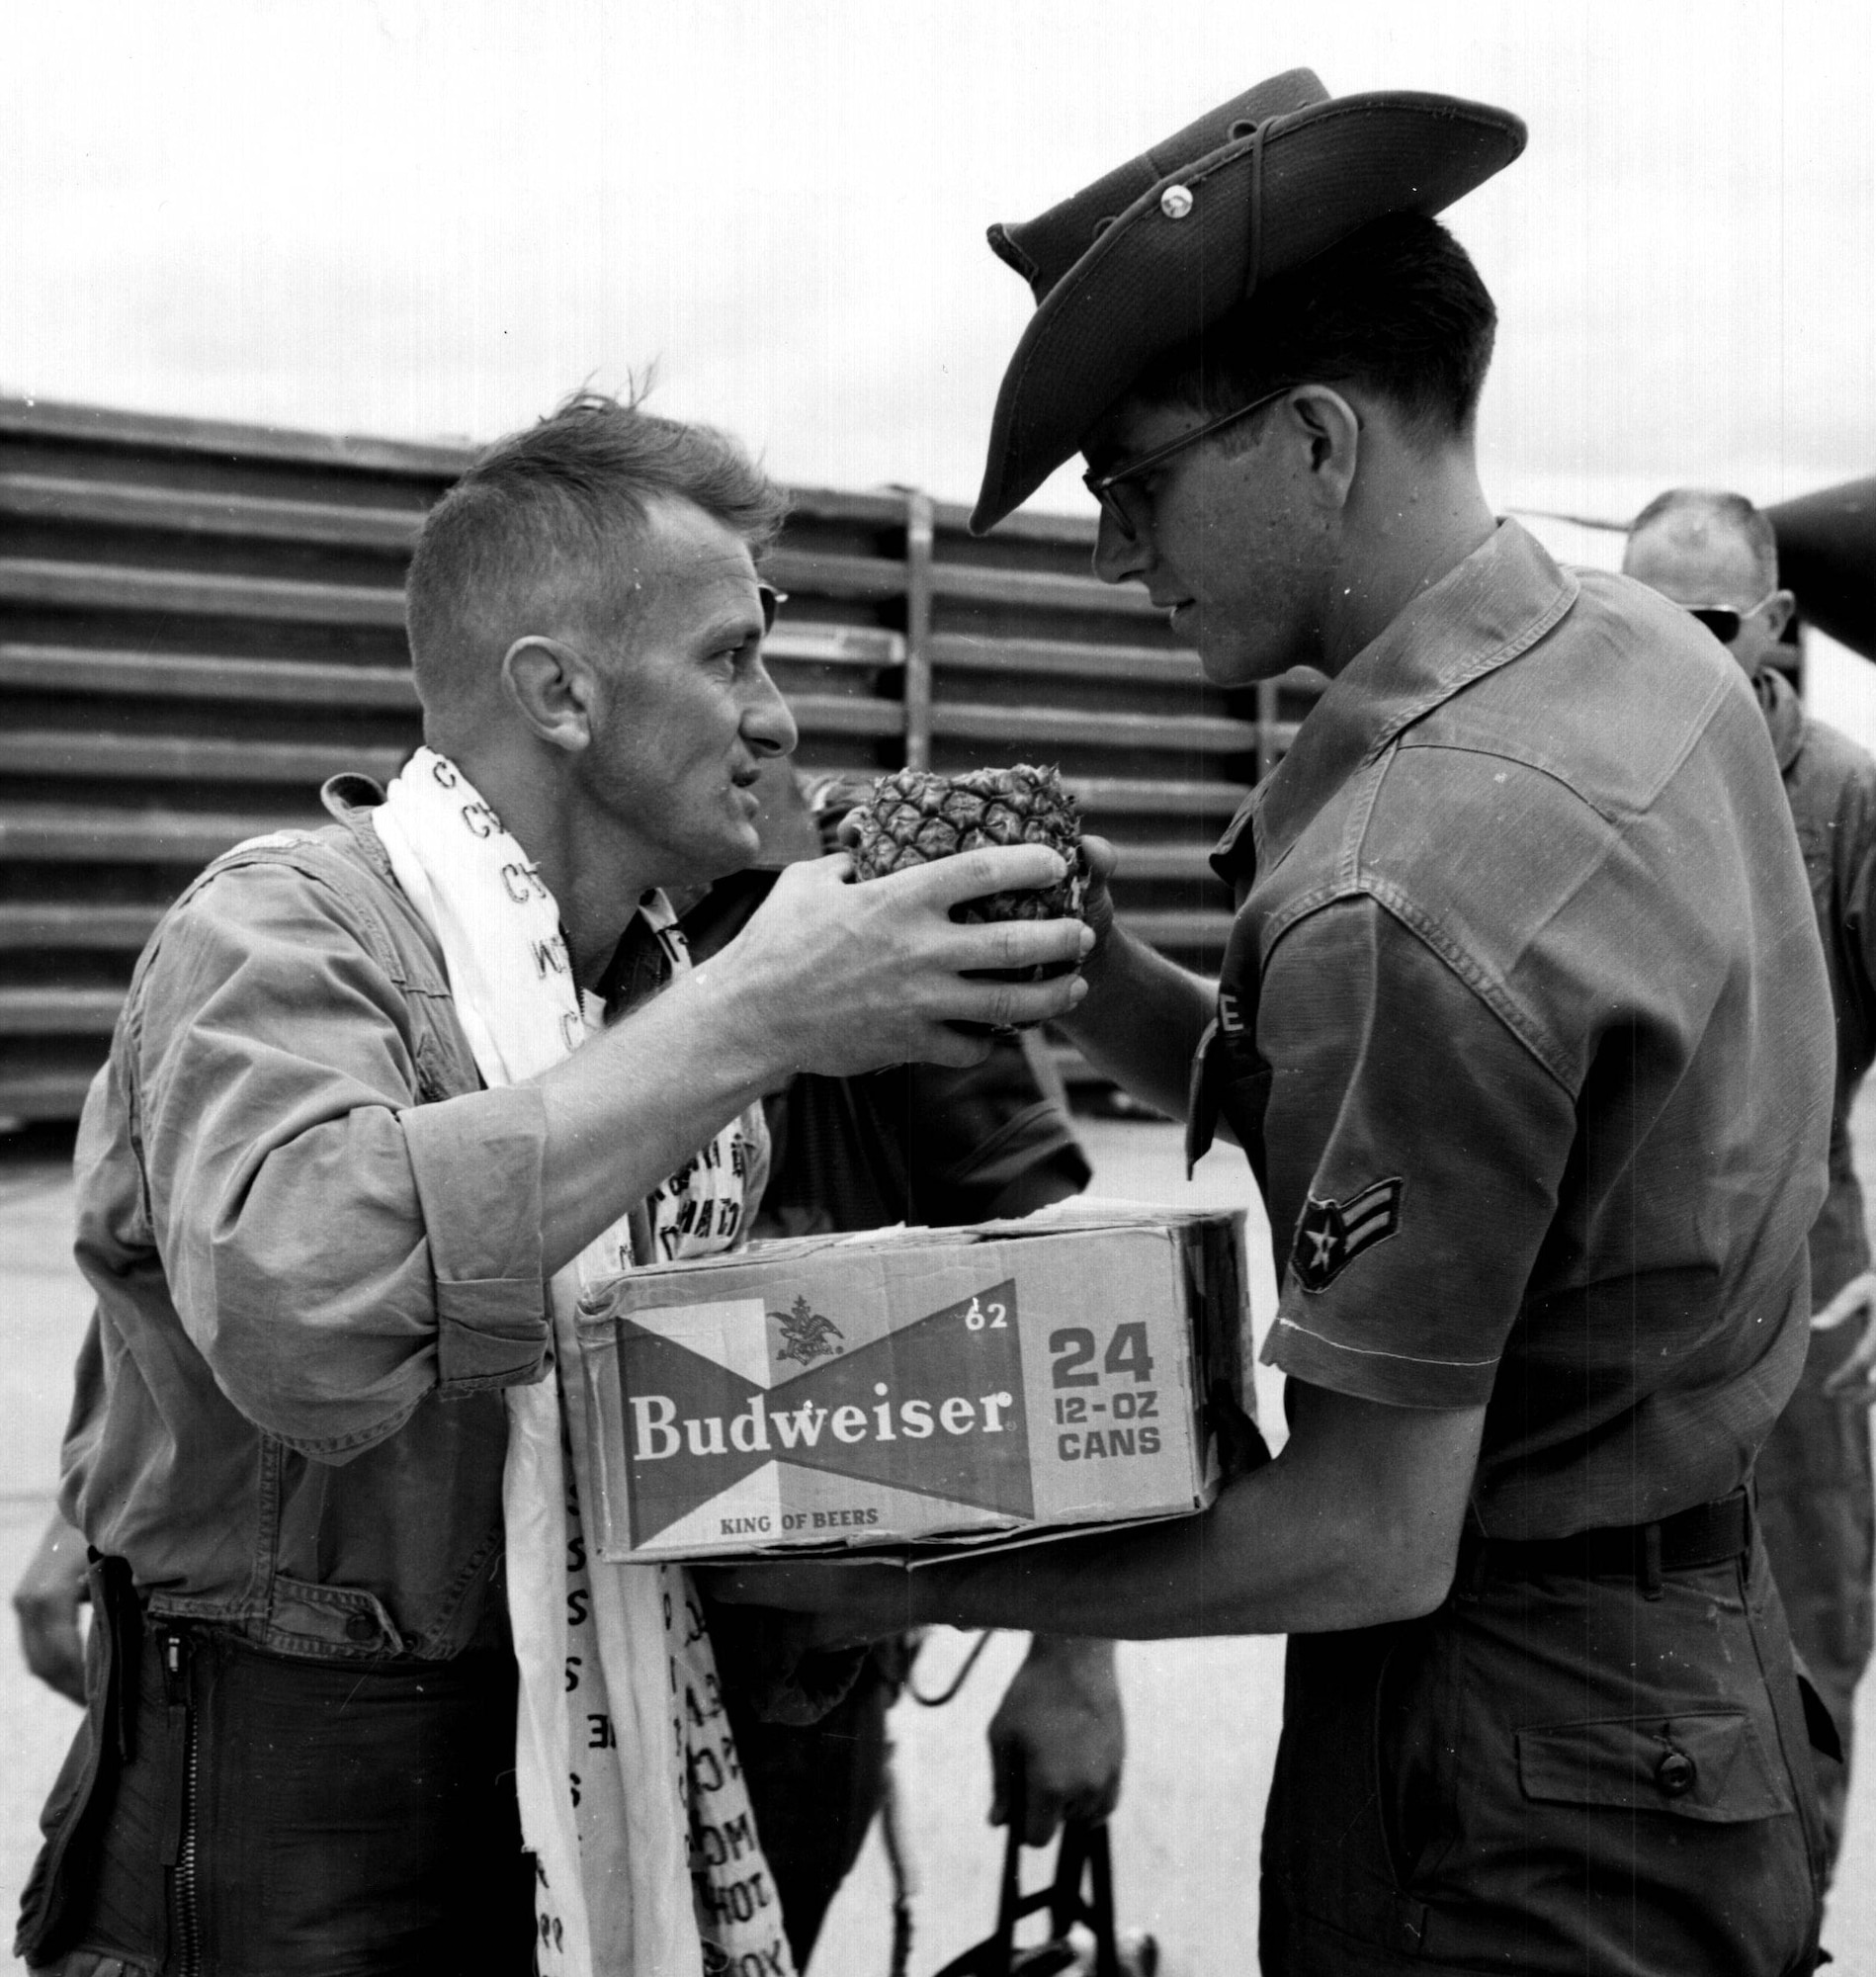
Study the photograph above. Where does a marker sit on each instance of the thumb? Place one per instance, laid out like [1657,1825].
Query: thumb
[1855,1296]
[1101,856]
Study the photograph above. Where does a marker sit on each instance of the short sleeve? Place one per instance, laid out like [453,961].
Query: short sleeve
[1415,1152]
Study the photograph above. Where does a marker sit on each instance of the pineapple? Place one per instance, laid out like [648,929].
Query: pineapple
[912,818]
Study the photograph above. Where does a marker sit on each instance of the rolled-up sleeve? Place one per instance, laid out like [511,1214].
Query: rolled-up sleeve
[1415,1152]
[487,1262]
[335,1249]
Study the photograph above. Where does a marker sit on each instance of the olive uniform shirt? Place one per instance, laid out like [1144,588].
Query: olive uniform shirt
[1831,784]
[1815,1496]
[1525,1028]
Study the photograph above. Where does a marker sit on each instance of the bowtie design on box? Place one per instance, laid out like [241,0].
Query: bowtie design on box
[914,1385]
[886,1414]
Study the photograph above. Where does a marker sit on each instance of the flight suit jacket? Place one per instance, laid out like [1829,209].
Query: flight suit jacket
[315,1242]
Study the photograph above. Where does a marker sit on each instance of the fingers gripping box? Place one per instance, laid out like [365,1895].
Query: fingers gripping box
[916,1385]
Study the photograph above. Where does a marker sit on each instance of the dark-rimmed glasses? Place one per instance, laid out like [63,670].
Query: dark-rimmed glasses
[772,602]
[1105,487]
[1722,621]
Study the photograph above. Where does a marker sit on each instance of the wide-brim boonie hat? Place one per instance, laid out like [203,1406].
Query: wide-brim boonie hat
[1160,249]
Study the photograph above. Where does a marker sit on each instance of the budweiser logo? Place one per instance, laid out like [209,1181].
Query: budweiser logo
[935,1408]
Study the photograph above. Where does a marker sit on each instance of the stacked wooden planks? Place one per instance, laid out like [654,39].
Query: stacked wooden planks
[198,623]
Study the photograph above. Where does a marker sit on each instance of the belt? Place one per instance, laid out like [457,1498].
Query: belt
[1707,1535]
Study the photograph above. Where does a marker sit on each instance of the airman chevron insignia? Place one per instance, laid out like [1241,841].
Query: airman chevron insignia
[1331,1235]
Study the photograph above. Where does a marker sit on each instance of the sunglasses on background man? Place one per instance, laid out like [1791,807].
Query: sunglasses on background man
[1722,621]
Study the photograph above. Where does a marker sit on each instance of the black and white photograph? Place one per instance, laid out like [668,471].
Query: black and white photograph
[937,945]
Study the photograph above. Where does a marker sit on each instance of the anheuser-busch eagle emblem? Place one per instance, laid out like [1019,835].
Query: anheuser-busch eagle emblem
[1331,1235]
[806,1334]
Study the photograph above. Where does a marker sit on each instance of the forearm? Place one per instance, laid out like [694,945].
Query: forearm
[634,1104]
[1235,1569]
[1356,1523]
[1141,1020]
[827,977]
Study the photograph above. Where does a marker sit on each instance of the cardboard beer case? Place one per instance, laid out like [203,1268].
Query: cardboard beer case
[913,1386]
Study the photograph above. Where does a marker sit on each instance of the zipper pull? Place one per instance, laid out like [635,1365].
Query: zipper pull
[176,1756]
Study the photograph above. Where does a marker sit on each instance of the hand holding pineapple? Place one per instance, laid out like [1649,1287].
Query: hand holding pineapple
[846,978]
[912,816]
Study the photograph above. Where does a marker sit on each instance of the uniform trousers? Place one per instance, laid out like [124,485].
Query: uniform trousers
[814,1789]
[1552,1773]
[230,1813]
[1818,1517]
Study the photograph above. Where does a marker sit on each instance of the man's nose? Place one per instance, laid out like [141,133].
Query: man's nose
[1117,556]
[767,724]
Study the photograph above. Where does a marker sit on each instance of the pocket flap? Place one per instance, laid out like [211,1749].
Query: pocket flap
[304,1618]
[1709,1765]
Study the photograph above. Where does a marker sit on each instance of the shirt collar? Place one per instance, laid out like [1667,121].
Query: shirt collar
[351,798]
[1784,714]
[1495,604]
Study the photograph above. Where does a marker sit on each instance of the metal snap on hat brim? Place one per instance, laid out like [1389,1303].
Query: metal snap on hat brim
[1165,269]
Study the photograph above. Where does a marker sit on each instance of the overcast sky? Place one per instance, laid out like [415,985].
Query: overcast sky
[433,217]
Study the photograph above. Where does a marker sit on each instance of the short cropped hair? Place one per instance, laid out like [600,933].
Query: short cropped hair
[1398,306]
[1722,512]
[563,507]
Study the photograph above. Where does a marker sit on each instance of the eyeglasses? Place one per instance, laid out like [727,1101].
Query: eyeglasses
[1722,621]
[1106,487]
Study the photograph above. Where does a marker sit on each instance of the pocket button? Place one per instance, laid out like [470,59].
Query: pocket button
[1674,1775]
[362,1627]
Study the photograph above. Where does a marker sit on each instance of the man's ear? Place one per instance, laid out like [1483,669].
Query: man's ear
[552,688]
[1779,609]
[1333,428]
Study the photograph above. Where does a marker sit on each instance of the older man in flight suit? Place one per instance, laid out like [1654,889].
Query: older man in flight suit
[323,1241]
[1715,556]
[1513,1032]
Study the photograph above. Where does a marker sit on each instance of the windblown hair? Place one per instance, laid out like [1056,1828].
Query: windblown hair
[1397,307]
[1716,511]
[563,507]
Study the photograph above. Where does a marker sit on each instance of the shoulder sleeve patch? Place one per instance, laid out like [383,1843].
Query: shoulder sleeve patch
[1331,1235]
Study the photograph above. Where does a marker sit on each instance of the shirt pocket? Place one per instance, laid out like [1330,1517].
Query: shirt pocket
[1817,844]
[1709,1765]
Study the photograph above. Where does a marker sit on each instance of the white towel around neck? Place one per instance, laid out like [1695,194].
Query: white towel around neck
[621,1740]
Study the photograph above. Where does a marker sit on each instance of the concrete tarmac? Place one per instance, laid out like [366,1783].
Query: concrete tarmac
[1202,1715]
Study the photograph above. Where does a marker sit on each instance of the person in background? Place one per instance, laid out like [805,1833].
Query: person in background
[1714,554]
[922,1143]
[48,1603]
